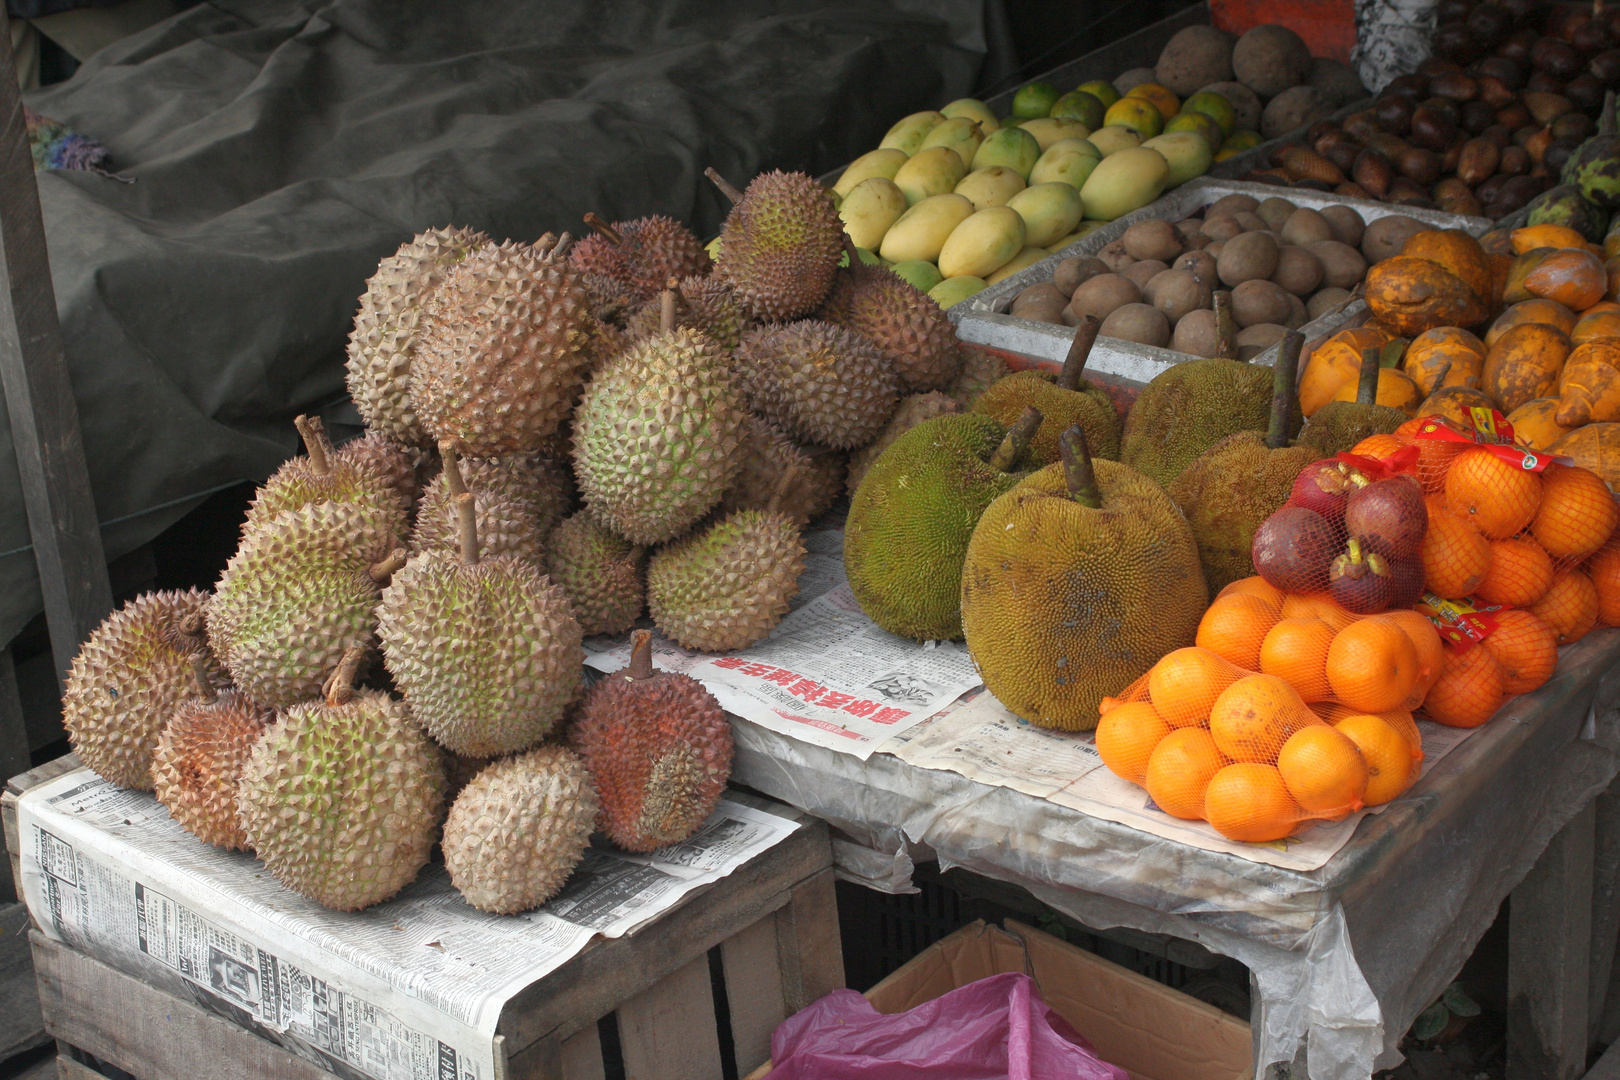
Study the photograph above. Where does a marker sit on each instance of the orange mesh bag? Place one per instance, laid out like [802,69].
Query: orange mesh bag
[1470,689]
[1527,649]
[1570,606]
[1399,720]
[1603,570]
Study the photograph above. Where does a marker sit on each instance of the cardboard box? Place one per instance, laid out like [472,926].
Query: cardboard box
[1150,1030]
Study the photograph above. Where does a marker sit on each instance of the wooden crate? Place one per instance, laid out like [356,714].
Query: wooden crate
[774,922]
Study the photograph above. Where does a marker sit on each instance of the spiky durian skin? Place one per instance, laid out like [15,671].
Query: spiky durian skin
[501,352]
[656,436]
[910,329]
[541,484]
[384,336]
[767,455]
[819,382]
[343,802]
[728,586]
[980,368]
[659,750]
[780,246]
[352,478]
[601,572]
[199,761]
[706,304]
[403,465]
[129,675]
[487,655]
[518,829]
[296,594]
[913,410]
[505,526]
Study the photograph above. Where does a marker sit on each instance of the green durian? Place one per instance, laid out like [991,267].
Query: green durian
[727,586]
[780,245]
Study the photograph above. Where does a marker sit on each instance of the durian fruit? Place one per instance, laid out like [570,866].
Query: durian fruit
[701,303]
[459,772]
[342,796]
[323,475]
[486,651]
[541,484]
[910,520]
[200,756]
[1231,488]
[300,590]
[406,467]
[818,382]
[906,325]
[913,410]
[506,521]
[383,340]
[780,245]
[602,573]
[518,829]
[727,586]
[128,677]
[980,368]
[1065,400]
[1075,583]
[657,434]
[658,747]
[640,254]
[503,350]
[1339,425]
[1190,407]
[769,456]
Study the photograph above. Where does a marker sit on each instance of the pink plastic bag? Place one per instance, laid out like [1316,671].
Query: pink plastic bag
[994,1029]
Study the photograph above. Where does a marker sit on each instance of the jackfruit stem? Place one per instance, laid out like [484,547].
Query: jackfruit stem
[1077,470]
[724,185]
[380,572]
[1225,328]
[1016,441]
[339,688]
[467,527]
[452,468]
[1367,389]
[666,310]
[1074,364]
[199,674]
[1283,393]
[640,656]
[607,231]
[314,436]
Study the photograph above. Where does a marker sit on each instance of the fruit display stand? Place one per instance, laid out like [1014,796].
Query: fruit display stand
[696,991]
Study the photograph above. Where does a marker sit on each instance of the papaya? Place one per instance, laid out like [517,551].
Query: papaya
[1335,362]
[1412,295]
[1535,423]
[1589,386]
[1445,349]
[1532,311]
[1396,390]
[1456,252]
[1524,364]
[1595,447]
[1573,278]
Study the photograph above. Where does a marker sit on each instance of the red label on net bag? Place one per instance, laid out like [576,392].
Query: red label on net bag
[1401,462]
[1491,430]
[1464,623]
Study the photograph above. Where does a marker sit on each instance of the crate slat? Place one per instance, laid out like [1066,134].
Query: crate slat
[668,1032]
[753,991]
[582,1056]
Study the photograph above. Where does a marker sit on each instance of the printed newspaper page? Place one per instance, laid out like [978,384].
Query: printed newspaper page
[408,990]
[828,674]
[984,741]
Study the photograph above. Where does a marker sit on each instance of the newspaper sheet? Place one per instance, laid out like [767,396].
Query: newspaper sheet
[828,674]
[982,740]
[408,990]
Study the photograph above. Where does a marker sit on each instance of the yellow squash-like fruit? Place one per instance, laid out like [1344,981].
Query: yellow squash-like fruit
[199,760]
[726,587]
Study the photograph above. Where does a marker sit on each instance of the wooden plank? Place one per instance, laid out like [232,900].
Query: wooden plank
[753,992]
[582,1056]
[808,947]
[147,1032]
[14,757]
[21,1027]
[668,1032]
[68,1069]
[1549,951]
[42,774]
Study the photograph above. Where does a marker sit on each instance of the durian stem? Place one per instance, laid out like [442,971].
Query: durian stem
[339,689]
[194,624]
[452,468]
[1225,327]
[380,572]
[1283,392]
[1016,441]
[467,527]
[1077,470]
[544,245]
[1367,388]
[640,656]
[199,674]
[1074,364]
[725,187]
[608,232]
[564,242]
[850,249]
[666,310]
[313,433]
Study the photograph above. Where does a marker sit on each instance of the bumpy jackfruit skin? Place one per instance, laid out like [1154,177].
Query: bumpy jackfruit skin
[980,368]
[654,249]
[913,410]
[1339,425]
[506,523]
[602,573]
[910,521]
[128,677]
[659,750]
[383,340]
[780,246]
[818,382]
[911,330]
[502,351]
[1006,399]
[487,654]
[727,586]
[518,829]
[767,456]
[343,802]
[1227,492]
[1188,408]
[199,761]
[356,478]
[296,594]
[1063,605]
[656,436]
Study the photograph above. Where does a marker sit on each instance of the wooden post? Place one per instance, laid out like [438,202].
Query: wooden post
[44,417]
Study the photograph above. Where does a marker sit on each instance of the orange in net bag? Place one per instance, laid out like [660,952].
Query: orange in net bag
[1185,682]
[1126,737]
[1180,769]
[1430,654]
[1577,514]
[1324,771]
[1372,665]
[1570,606]
[1520,572]
[1470,689]
[1255,716]
[1392,765]
[1399,720]
[1603,568]
[1235,625]
[1527,649]
[1456,556]
[1250,801]
[1296,650]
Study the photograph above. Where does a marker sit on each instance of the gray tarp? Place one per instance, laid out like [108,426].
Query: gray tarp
[280,149]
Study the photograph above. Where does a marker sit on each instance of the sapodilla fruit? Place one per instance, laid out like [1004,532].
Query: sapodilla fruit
[200,756]
[326,476]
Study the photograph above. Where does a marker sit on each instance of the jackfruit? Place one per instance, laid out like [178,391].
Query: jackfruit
[780,245]
[818,382]
[200,756]
[909,328]
[913,410]
[1339,425]
[1064,400]
[727,586]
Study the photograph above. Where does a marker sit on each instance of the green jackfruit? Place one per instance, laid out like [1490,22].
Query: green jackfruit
[1064,400]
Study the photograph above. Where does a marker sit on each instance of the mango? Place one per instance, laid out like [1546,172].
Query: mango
[1124,181]
[1138,114]
[1028,256]
[1187,153]
[1035,100]
[960,133]
[1112,138]
[922,231]
[933,171]
[1214,106]
[909,132]
[869,210]
[973,109]
[1202,123]
[884,163]
[919,274]
[1013,147]
[1049,130]
[983,243]
[1102,90]
[1068,162]
[1050,211]
[1081,106]
[955,290]
[991,187]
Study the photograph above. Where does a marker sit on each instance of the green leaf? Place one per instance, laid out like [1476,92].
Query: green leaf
[1458,1002]
[1392,353]
[1431,1022]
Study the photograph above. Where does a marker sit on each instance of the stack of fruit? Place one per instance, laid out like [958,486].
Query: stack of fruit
[703,409]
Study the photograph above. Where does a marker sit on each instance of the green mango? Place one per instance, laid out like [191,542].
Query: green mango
[1068,162]
[992,186]
[920,274]
[1187,153]
[1013,147]
[933,171]
[1081,106]
[1102,90]
[869,210]
[1048,130]
[884,163]
[1050,211]
[960,133]
[955,290]
[1215,107]
[909,132]
[1035,100]
[1125,181]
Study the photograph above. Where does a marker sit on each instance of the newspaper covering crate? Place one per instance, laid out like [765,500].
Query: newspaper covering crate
[137,924]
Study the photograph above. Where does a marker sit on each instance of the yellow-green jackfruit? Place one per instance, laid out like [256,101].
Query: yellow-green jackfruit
[1064,400]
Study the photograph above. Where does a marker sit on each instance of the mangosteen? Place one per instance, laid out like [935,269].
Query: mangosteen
[1293,549]
[1325,486]
[1388,515]
[1407,583]
[1359,579]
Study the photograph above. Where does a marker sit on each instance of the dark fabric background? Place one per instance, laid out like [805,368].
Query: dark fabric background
[280,149]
